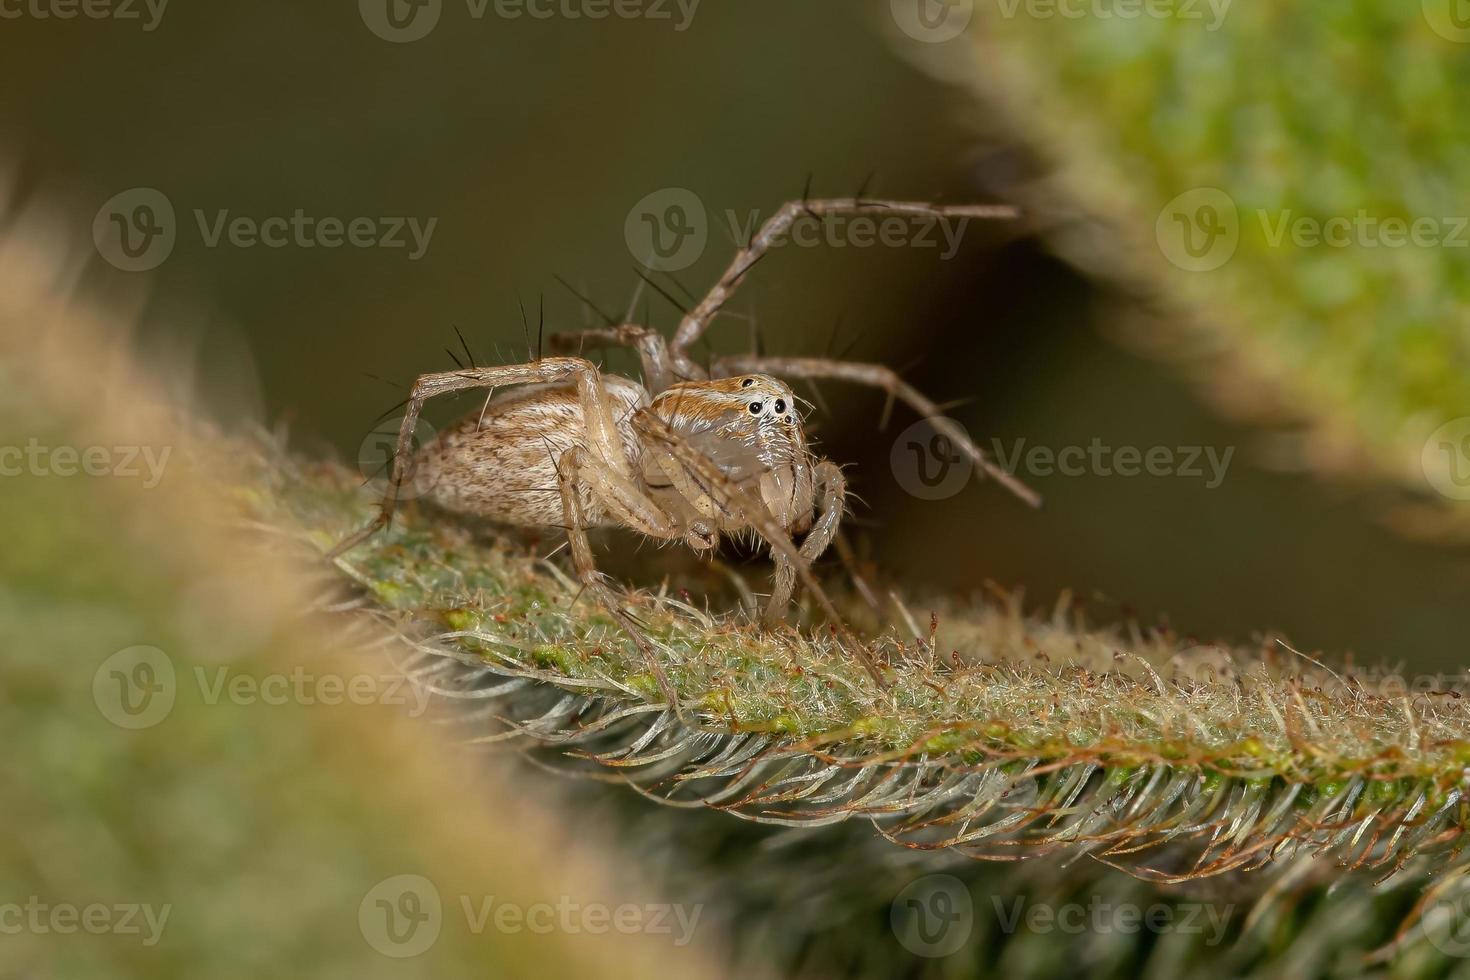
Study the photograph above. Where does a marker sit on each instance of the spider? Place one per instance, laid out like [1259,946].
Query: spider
[693,453]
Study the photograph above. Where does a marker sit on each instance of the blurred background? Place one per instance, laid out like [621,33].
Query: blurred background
[526,149]
[527,141]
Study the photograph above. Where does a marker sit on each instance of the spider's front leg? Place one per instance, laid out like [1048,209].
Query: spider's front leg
[770,234]
[709,490]
[832,487]
[885,378]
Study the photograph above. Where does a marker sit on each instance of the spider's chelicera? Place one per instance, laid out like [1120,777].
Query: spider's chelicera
[693,453]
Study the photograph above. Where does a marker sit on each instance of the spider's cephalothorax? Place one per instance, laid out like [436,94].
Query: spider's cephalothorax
[692,453]
[750,428]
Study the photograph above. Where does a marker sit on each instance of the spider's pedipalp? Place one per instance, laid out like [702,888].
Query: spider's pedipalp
[742,502]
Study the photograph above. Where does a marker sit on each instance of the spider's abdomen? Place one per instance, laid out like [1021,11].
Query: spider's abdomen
[502,465]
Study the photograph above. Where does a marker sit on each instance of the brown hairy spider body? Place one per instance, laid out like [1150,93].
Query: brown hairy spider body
[500,463]
[692,454]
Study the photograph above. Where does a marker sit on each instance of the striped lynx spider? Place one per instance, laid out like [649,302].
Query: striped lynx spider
[690,454]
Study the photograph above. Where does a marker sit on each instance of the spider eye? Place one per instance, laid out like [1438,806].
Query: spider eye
[780,405]
[755,408]
[747,382]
